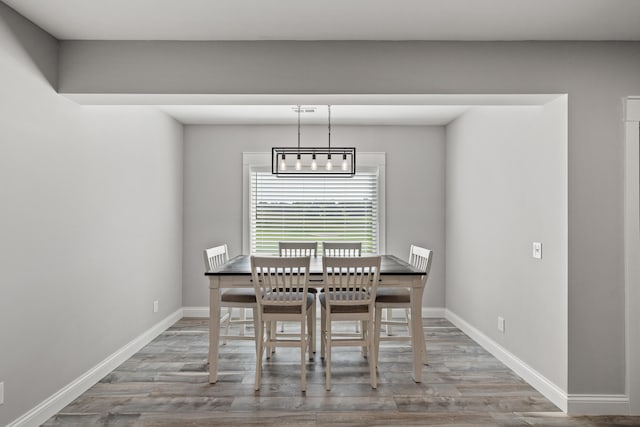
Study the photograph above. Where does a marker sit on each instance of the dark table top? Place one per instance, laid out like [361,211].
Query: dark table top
[241,266]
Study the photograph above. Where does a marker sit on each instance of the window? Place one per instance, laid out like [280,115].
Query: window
[314,208]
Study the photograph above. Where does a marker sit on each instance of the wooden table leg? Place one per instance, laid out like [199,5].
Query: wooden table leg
[417,333]
[214,327]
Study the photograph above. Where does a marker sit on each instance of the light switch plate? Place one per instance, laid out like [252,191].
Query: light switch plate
[501,324]
[537,250]
[1,393]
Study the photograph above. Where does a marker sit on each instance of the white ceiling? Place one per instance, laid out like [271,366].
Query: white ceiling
[335,19]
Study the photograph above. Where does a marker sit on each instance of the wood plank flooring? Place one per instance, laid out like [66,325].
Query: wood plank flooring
[166,384]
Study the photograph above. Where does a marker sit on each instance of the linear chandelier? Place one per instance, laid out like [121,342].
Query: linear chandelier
[313,161]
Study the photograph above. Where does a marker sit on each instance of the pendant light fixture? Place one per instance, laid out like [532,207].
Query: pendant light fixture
[313,161]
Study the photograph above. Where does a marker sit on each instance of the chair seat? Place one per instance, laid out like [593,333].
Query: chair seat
[337,308]
[242,295]
[396,296]
[289,308]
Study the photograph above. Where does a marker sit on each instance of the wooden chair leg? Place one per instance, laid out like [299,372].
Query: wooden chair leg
[260,343]
[372,355]
[388,317]
[303,354]
[227,323]
[327,356]
[255,327]
[425,356]
[312,331]
[377,332]
[363,331]
[323,332]
[269,331]
[243,317]
[274,335]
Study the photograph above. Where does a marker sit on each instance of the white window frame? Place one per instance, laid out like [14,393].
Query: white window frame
[263,160]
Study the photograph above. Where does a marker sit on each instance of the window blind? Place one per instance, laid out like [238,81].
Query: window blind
[313,209]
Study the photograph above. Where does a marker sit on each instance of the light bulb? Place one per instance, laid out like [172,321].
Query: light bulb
[314,164]
[298,163]
[283,164]
[345,165]
[329,165]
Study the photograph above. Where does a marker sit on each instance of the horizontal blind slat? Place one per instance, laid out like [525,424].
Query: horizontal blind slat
[314,208]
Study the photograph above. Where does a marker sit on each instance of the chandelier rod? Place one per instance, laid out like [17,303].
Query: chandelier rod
[329,107]
[298,131]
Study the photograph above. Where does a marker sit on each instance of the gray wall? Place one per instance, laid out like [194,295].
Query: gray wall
[91,223]
[506,188]
[595,75]
[213,190]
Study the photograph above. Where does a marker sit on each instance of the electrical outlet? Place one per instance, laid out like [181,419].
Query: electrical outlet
[537,250]
[501,324]
[155,306]
[1,393]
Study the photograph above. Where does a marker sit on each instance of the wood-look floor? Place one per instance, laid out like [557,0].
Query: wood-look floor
[166,384]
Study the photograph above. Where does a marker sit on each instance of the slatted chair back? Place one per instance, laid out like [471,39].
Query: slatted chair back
[297,249]
[421,258]
[281,281]
[341,249]
[242,299]
[350,280]
[216,256]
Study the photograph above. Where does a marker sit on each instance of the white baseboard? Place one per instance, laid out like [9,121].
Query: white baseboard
[67,394]
[598,404]
[538,381]
[195,312]
[573,404]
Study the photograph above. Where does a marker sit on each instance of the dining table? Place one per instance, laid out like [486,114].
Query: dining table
[394,273]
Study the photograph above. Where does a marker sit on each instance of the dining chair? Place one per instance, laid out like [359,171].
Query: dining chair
[282,285]
[350,285]
[289,249]
[298,248]
[349,249]
[344,249]
[242,298]
[390,298]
